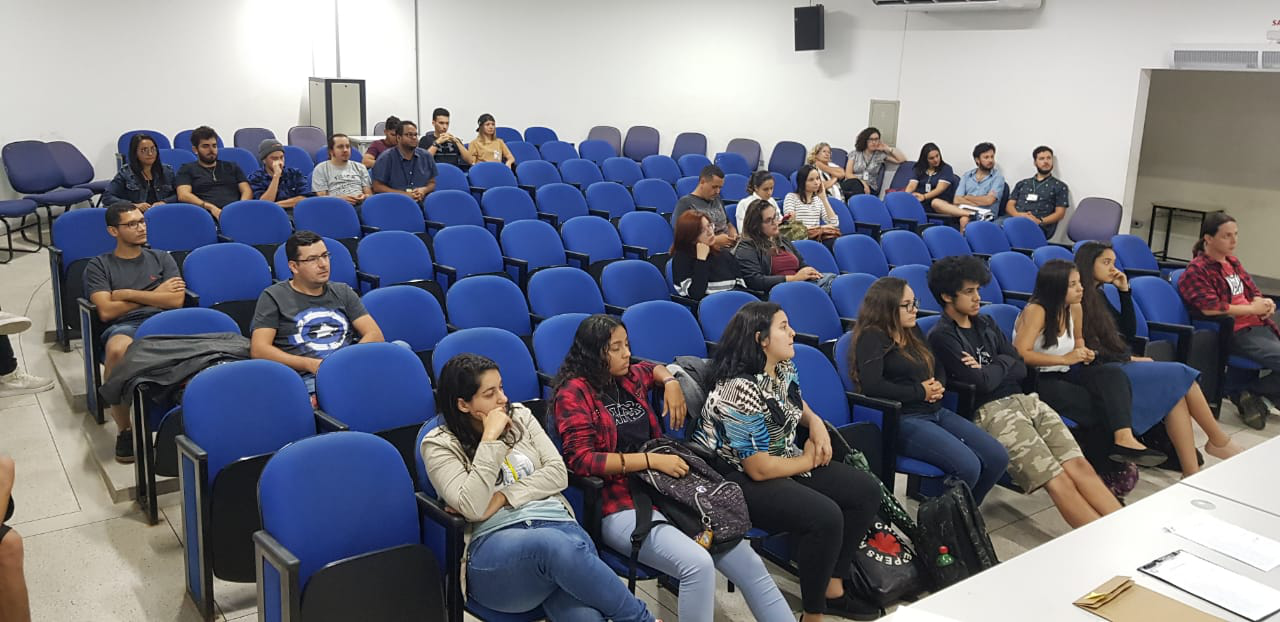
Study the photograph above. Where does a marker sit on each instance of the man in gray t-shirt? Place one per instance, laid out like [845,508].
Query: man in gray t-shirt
[301,321]
[705,198]
[129,285]
[339,176]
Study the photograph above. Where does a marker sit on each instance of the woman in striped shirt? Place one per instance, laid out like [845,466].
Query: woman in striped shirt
[809,205]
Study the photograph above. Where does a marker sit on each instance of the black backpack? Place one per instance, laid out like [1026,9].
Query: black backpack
[952,520]
[702,501]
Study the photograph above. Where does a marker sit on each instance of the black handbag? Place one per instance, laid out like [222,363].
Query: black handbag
[886,568]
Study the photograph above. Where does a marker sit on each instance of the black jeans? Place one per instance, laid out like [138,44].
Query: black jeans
[8,362]
[1260,345]
[827,513]
[1099,398]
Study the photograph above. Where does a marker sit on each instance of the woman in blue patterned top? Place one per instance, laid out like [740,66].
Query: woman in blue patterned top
[751,419]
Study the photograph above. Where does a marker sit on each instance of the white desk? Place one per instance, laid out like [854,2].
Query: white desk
[1249,478]
[1041,584]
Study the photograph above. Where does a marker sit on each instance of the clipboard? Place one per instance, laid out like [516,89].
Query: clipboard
[1121,600]
[1212,583]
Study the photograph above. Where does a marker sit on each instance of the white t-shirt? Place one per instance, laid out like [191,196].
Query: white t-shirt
[743,204]
[348,180]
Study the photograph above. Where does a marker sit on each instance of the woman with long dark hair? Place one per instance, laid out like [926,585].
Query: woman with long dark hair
[1160,388]
[809,206]
[1049,335]
[146,181]
[604,418]
[697,268]
[766,258]
[1217,285]
[890,359]
[931,184]
[494,465]
[760,187]
[865,169]
[750,419]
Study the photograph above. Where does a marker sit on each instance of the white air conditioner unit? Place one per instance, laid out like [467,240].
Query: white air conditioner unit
[1226,57]
[960,5]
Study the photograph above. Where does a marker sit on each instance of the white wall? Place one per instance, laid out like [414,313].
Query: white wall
[1067,75]
[168,66]
[1210,139]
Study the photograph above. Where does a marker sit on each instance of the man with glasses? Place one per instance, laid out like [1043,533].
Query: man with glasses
[407,169]
[301,321]
[129,285]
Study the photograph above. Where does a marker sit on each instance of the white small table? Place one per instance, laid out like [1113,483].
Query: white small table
[1041,584]
[362,142]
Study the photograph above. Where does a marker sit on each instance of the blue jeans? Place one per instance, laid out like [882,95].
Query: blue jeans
[957,446]
[553,564]
[671,552]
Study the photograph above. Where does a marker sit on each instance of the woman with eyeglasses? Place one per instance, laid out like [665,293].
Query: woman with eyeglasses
[146,181]
[492,463]
[890,359]
[865,169]
[767,258]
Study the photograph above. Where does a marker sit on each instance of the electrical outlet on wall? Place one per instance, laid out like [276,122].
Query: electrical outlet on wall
[1137,224]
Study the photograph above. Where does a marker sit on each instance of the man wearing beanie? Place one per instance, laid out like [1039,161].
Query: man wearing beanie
[275,182]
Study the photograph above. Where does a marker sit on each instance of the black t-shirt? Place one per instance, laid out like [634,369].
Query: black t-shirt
[446,153]
[219,185]
[630,418]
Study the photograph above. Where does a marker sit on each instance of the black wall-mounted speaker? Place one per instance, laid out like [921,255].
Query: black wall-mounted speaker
[809,28]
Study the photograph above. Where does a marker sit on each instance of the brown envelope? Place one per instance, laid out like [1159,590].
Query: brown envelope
[1121,600]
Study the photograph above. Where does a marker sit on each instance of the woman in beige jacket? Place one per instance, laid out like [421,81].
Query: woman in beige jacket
[494,465]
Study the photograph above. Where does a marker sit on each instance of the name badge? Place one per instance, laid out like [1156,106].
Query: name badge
[928,187]
[866,176]
[497,154]
[1033,197]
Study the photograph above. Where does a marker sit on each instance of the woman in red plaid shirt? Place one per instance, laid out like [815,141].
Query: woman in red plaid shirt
[603,415]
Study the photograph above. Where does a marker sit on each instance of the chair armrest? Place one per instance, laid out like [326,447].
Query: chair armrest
[686,302]
[287,566]
[1173,265]
[552,219]
[1138,344]
[983,256]
[966,395]
[326,422]
[890,413]
[496,222]
[431,224]
[454,527]
[373,280]
[639,251]
[871,228]
[224,238]
[367,229]
[946,219]
[1183,333]
[1008,293]
[90,308]
[599,212]
[448,271]
[808,339]
[1025,251]
[1135,272]
[521,266]
[905,223]
[613,309]
[582,258]
[646,208]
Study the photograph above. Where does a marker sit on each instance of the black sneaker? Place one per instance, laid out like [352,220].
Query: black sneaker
[853,608]
[124,447]
[1253,411]
[1147,457]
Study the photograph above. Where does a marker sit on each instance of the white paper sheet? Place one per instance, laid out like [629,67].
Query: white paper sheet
[1235,542]
[1215,584]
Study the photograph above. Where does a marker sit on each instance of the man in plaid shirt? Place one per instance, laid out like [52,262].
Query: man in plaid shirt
[1216,284]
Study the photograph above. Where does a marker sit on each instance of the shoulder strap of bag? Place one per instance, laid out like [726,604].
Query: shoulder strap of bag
[644,523]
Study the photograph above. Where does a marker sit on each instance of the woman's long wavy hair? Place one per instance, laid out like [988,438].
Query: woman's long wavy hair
[1100,330]
[460,380]
[753,225]
[879,311]
[741,349]
[588,357]
[1051,294]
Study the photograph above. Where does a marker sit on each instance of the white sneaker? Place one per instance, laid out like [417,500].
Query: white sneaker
[19,382]
[1271,406]
[11,324]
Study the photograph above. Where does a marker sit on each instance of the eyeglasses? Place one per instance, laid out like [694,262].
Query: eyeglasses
[911,305]
[321,257]
[147,150]
[133,224]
